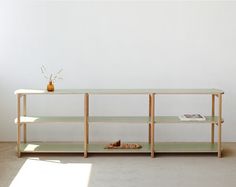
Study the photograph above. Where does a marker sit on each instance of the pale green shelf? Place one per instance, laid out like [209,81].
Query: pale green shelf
[175,119]
[185,147]
[42,147]
[161,147]
[110,119]
[120,91]
[119,119]
[50,119]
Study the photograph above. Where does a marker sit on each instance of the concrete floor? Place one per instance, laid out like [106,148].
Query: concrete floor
[166,170]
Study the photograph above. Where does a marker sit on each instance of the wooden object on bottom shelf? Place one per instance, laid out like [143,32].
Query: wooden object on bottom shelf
[119,145]
[99,148]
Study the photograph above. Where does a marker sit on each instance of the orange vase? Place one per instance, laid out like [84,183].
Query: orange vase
[50,87]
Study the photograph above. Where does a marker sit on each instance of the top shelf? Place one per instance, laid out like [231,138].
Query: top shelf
[121,91]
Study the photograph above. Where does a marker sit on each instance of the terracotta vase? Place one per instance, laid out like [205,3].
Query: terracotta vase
[50,86]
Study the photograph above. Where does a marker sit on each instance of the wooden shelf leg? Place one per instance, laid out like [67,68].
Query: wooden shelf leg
[18,126]
[213,115]
[86,100]
[87,120]
[149,125]
[24,114]
[152,124]
[219,124]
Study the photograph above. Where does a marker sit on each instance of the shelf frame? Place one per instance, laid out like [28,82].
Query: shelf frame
[151,120]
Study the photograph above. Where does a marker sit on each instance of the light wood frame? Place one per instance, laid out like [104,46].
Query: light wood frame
[18,125]
[86,128]
[219,124]
[152,124]
[151,121]
[213,115]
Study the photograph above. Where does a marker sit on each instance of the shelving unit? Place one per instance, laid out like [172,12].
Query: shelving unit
[150,120]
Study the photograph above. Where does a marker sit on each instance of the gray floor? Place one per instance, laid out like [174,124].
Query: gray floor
[166,170]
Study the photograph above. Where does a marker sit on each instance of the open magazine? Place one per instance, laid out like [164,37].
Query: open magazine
[192,117]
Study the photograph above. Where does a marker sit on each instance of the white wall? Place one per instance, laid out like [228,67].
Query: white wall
[118,44]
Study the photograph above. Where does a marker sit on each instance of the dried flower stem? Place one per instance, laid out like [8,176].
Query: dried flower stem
[52,77]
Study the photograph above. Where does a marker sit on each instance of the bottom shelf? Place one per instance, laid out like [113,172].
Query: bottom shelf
[42,147]
[162,147]
[185,147]
[99,148]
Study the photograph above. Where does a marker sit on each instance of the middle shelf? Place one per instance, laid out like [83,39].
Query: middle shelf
[110,119]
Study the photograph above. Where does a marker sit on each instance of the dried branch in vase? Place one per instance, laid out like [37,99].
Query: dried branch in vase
[51,77]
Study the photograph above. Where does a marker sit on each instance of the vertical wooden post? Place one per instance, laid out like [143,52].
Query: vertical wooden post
[24,114]
[213,115]
[18,125]
[152,124]
[219,124]
[86,125]
[87,120]
[149,115]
